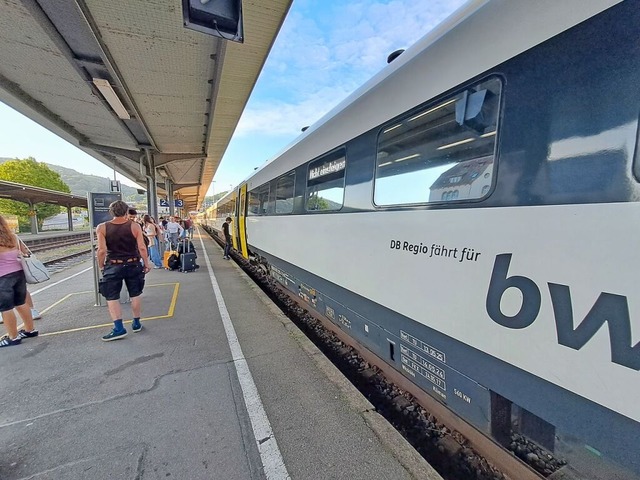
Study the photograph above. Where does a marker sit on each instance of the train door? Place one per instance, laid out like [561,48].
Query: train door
[235,243]
[241,213]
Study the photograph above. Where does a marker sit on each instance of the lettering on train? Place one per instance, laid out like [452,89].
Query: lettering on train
[436,250]
[608,308]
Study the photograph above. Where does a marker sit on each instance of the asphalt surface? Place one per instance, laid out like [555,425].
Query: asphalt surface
[172,400]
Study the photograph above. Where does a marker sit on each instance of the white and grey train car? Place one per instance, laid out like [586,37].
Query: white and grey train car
[471,216]
[214,216]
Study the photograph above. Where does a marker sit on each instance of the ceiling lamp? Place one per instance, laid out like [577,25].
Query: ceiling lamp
[111,97]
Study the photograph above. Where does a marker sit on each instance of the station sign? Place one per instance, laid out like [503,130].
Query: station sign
[99,206]
[178,203]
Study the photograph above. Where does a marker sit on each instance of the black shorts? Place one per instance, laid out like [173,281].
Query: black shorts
[113,275]
[13,290]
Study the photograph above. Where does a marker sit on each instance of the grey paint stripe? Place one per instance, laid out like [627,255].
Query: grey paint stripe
[272,462]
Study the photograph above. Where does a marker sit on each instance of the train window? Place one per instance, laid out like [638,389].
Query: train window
[258,200]
[443,153]
[284,193]
[243,205]
[325,182]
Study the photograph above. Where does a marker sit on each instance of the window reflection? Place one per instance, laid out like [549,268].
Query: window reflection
[284,193]
[258,200]
[445,153]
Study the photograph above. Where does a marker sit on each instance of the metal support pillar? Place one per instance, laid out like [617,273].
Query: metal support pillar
[70,219]
[152,189]
[169,187]
[150,199]
[34,218]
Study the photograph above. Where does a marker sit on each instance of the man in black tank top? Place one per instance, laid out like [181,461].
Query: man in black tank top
[121,249]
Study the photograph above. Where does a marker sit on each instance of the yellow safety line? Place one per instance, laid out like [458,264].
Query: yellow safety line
[172,306]
[62,300]
[174,299]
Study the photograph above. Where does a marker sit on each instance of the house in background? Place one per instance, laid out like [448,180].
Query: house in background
[464,180]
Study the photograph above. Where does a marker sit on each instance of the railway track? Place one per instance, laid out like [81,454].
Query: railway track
[51,246]
[58,253]
[62,262]
[48,243]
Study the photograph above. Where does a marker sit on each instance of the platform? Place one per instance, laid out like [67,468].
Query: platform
[218,385]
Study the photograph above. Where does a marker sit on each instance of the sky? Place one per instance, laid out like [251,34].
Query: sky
[325,50]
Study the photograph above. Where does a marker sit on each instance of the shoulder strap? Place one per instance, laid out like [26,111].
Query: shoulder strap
[20,242]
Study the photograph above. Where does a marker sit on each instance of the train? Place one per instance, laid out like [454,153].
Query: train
[467,215]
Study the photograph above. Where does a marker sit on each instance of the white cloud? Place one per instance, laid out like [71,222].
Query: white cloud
[287,119]
[322,55]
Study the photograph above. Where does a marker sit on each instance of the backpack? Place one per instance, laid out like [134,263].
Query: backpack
[173,262]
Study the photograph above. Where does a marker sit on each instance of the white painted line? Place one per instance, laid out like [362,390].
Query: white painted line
[272,462]
[60,281]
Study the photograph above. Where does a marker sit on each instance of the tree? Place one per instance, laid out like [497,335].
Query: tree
[318,203]
[28,171]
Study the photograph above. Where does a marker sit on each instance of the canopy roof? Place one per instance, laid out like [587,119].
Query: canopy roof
[66,65]
[29,194]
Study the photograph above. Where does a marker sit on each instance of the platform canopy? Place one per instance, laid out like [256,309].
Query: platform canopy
[32,195]
[129,84]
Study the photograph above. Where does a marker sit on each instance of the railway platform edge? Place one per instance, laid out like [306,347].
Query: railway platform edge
[169,400]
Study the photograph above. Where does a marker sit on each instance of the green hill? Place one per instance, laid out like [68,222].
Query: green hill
[80,183]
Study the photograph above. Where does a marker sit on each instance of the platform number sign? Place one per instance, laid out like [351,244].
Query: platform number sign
[178,203]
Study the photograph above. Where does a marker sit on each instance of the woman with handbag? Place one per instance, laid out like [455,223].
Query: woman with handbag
[13,288]
[151,232]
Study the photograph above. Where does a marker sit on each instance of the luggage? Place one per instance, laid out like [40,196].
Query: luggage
[173,262]
[185,246]
[165,258]
[188,262]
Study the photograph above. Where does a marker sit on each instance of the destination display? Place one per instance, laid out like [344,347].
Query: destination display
[327,168]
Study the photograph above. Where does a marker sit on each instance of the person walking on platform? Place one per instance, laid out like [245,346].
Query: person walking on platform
[227,238]
[160,234]
[151,231]
[120,249]
[188,226]
[13,289]
[35,314]
[132,214]
[174,230]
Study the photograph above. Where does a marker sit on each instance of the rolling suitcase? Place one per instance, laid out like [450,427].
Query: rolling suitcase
[186,246]
[188,262]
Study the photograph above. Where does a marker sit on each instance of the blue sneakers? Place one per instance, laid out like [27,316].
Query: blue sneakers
[115,335]
[7,342]
[24,334]
[136,326]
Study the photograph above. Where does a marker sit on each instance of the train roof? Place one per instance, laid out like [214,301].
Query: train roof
[225,198]
[475,38]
